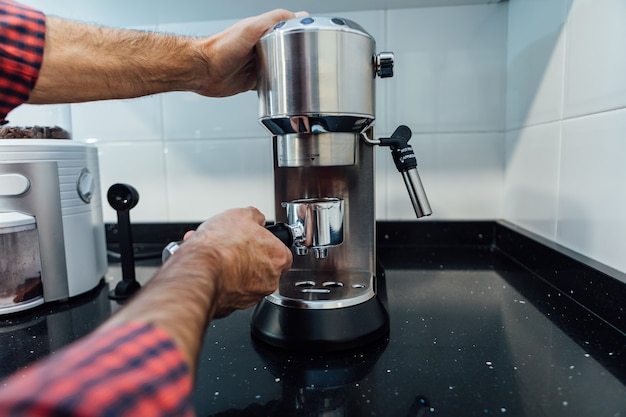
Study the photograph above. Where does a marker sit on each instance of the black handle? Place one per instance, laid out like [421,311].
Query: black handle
[127,254]
[122,198]
[282,232]
[401,151]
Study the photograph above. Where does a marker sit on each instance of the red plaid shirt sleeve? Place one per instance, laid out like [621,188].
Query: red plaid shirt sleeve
[130,370]
[22,37]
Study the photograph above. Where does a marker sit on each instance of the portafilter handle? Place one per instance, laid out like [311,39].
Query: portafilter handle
[406,163]
[285,233]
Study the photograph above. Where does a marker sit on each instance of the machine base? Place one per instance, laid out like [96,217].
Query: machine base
[323,330]
[320,330]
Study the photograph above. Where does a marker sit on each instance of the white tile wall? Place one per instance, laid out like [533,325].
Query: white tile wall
[536,50]
[592,193]
[531,180]
[565,174]
[190,116]
[118,120]
[42,115]
[101,12]
[450,68]
[517,111]
[205,177]
[448,87]
[596,63]
[174,148]
[140,164]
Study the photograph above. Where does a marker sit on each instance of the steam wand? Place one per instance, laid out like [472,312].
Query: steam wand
[406,163]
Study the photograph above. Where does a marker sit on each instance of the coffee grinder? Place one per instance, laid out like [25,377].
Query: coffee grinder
[316,90]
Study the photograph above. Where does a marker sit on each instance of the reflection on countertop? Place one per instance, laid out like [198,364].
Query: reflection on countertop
[473,333]
[32,334]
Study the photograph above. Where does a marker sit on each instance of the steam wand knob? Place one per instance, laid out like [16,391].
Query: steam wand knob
[384,64]
[406,163]
[122,198]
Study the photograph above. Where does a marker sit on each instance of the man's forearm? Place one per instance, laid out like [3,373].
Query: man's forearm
[230,262]
[179,299]
[86,62]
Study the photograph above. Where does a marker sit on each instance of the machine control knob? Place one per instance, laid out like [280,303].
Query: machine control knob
[85,185]
[384,64]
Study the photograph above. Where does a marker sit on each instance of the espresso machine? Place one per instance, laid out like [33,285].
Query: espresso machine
[316,90]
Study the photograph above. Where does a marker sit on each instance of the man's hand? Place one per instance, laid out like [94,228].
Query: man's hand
[246,260]
[230,262]
[230,55]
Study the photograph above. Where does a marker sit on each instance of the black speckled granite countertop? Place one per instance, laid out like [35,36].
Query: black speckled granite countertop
[474,332]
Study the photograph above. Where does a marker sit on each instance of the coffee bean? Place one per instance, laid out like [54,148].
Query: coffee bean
[34,132]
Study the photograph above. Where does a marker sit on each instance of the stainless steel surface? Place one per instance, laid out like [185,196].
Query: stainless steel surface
[321,223]
[316,74]
[384,64]
[310,289]
[42,202]
[365,135]
[353,262]
[281,124]
[316,97]
[170,249]
[317,93]
[297,232]
[316,150]
[416,193]
[316,89]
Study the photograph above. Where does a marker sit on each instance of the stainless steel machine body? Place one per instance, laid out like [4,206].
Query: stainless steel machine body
[316,92]
[316,76]
[345,276]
